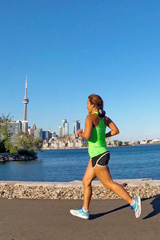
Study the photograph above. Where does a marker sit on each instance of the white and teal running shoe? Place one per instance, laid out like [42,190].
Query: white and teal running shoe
[80,213]
[137,206]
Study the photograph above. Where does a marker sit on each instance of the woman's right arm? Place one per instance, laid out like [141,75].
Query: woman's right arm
[88,128]
[114,129]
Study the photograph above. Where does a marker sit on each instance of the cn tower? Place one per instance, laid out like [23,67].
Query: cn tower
[25,101]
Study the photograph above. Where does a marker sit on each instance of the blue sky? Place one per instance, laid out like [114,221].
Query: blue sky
[70,49]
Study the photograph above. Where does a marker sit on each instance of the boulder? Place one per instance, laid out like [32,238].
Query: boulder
[5,157]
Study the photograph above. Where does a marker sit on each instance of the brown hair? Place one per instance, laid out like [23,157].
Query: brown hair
[98,102]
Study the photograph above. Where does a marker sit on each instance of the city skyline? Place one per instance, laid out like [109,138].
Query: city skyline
[15,126]
[72,49]
[63,130]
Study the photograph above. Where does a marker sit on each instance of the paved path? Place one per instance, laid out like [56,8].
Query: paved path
[22,219]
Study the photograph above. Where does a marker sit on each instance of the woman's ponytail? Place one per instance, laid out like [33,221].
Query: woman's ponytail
[101,112]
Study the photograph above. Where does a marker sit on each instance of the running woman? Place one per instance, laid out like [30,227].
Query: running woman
[95,128]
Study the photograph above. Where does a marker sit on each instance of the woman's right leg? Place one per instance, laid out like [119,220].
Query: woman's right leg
[89,176]
[87,180]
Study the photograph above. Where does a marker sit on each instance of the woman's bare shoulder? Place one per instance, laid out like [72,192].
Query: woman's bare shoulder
[92,119]
[89,118]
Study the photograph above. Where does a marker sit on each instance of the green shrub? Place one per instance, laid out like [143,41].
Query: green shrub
[2,147]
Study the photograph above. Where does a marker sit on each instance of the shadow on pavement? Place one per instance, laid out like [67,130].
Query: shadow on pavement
[94,216]
[155,203]
[156,207]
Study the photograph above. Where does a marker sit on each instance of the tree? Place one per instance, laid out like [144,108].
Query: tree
[5,135]
[2,147]
[25,142]
[120,143]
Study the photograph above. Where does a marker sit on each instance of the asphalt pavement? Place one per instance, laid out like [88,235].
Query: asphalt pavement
[27,219]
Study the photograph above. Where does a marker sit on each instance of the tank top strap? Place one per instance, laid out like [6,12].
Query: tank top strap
[101,118]
[96,113]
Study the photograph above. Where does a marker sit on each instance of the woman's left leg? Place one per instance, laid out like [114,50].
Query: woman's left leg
[103,174]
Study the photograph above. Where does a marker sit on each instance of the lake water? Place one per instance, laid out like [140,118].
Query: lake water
[141,161]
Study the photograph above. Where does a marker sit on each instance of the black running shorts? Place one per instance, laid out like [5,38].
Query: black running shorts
[101,160]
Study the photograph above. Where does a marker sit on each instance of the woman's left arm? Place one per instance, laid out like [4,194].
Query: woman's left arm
[88,128]
[112,126]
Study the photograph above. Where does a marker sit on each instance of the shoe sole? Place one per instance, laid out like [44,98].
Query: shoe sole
[139,204]
[78,215]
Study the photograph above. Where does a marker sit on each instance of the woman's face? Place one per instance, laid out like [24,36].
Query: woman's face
[89,106]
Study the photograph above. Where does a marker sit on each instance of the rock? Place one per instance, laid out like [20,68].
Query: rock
[40,191]
[4,157]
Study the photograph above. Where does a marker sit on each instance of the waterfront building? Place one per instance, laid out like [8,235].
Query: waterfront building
[143,142]
[108,141]
[154,141]
[76,126]
[71,144]
[38,133]
[46,135]
[54,135]
[79,143]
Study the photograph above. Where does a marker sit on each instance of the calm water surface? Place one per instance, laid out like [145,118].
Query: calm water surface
[68,165]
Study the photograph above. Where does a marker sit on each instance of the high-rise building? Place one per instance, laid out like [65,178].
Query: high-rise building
[60,131]
[34,126]
[14,127]
[46,135]
[63,122]
[66,129]
[76,126]
[54,135]
[25,126]
[38,133]
[31,130]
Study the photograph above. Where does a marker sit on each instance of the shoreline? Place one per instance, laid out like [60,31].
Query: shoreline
[145,188]
[109,146]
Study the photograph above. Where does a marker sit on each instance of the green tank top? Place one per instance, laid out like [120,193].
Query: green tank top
[97,142]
